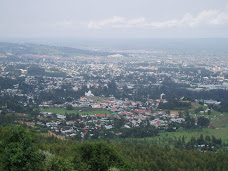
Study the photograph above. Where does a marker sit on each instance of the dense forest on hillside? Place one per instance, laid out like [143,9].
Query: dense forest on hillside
[23,149]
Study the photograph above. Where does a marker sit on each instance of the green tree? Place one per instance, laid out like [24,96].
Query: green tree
[69,107]
[99,156]
[17,149]
[202,121]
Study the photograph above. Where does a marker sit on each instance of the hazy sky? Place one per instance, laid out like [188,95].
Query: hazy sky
[113,18]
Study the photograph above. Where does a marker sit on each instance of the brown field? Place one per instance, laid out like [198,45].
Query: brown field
[220,123]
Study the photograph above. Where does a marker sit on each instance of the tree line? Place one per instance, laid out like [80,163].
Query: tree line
[23,149]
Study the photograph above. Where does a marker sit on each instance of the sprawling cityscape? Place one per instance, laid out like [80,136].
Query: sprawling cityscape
[114,85]
[106,96]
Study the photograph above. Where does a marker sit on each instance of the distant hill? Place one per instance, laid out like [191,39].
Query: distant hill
[40,49]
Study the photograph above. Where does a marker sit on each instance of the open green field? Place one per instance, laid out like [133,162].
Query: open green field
[81,111]
[170,138]
[218,133]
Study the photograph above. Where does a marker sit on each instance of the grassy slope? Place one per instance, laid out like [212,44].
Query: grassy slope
[218,133]
[170,138]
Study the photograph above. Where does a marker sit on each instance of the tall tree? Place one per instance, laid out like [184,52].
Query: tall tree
[17,149]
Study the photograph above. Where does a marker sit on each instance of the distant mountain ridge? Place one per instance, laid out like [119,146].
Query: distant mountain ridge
[20,49]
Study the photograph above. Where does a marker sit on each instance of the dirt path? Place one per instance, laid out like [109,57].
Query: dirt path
[194,105]
[27,123]
[53,134]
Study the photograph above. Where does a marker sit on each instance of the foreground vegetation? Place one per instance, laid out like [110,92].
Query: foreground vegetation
[23,149]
